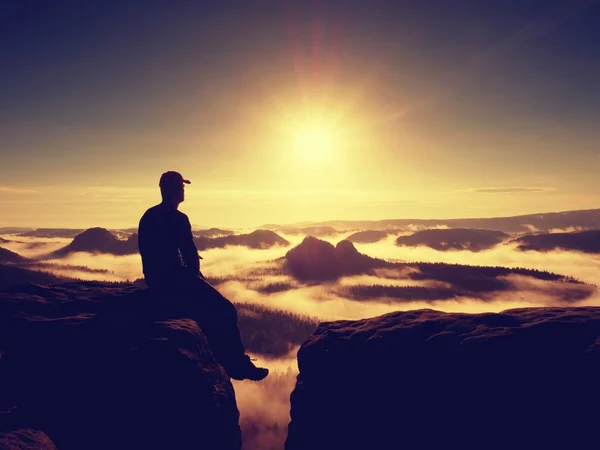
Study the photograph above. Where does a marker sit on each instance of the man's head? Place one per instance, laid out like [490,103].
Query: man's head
[172,187]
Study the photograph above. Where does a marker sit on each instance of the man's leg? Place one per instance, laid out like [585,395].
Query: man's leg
[218,319]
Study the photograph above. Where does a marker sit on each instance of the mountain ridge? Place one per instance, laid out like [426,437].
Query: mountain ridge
[589,218]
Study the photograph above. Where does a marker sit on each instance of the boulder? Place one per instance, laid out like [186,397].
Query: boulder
[520,379]
[96,366]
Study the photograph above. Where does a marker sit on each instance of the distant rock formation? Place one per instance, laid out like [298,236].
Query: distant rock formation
[582,241]
[259,239]
[367,236]
[4,241]
[7,256]
[317,260]
[521,379]
[99,240]
[473,240]
[93,366]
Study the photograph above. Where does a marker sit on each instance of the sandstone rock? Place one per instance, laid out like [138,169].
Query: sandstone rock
[95,367]
[521,379]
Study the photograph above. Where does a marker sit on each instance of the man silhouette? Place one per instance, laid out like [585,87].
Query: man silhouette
[171,267]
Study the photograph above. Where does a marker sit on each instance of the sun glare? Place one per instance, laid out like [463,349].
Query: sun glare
[314,144]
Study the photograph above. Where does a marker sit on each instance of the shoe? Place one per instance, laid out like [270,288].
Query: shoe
[246,370]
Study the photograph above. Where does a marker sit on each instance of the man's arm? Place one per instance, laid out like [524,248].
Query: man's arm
[189,252]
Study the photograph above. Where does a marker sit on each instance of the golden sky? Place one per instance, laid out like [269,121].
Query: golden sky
[302,112]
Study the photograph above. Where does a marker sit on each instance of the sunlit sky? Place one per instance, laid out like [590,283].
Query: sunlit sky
[287,111]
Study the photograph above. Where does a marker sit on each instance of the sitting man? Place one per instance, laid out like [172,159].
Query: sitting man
[171,267]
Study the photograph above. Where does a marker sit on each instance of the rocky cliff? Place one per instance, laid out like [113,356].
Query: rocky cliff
[521,379]
[94,366]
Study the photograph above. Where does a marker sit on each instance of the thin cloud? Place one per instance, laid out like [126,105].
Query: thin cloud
[14,190]
[510,190]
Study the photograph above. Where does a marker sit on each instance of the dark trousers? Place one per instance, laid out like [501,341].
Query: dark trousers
[194,298]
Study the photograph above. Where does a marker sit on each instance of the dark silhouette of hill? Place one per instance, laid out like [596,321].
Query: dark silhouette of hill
[586,219]
[52,233]
[98,240]
[454,239]
[11,275]
[93,366]
[212,233]
[259,239]
[520,379]
[433,282]
[450,281]
[7,256]
[317,260]
[368,236]
[475,280]
[470,277]
[581,241]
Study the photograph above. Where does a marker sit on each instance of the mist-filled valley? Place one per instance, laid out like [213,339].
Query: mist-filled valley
[285,280]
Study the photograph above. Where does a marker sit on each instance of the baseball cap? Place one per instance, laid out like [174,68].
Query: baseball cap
[172,178]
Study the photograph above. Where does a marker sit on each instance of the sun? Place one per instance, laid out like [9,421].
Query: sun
[314,143]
